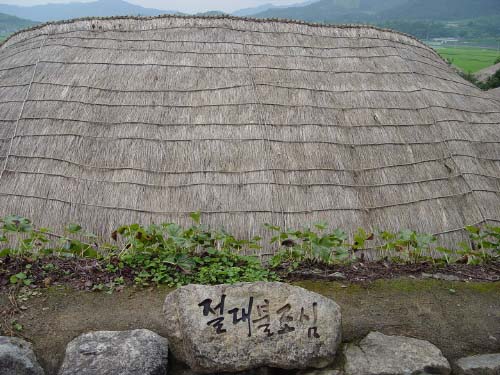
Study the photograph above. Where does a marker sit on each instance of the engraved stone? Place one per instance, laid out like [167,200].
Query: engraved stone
[230,328]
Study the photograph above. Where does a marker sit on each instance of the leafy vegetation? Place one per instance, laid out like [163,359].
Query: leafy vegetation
[486,29]
[155,254]
[312,245]
[172,255]
[408,246]
[443,9]
[492,83]
[469,59]
[405,246]
[485,244]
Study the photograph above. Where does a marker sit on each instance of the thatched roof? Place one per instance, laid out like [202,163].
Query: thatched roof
[495,92]
[486,73]
[112,121]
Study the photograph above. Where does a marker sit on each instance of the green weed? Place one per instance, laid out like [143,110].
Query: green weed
[173,255]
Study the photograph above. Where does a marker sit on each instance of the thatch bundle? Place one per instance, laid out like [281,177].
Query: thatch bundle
[486,73]
[113,121]
[495,92]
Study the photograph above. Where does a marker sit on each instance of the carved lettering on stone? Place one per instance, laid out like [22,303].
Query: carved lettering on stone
[228,328]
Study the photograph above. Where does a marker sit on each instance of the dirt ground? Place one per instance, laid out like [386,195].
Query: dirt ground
[461,318]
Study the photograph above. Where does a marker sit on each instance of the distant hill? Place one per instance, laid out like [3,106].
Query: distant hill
[262,8]
[10,24]
[344,11]
[335,10]
[444,9]
[211,13]
[100,8]
[245,12]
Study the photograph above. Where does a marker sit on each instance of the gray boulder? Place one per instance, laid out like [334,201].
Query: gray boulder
[320,372]
[256,371]
[138,352]
[486,364]
[17,357]
[231,328]
[379,354]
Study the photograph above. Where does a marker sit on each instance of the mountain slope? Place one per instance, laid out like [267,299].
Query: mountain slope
[211,13]
[380,10]
[245,12]
[10,24]
[334,10]
[100,8]
[255,10]
[444,9]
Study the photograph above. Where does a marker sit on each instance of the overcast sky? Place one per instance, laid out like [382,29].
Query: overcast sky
[181,5]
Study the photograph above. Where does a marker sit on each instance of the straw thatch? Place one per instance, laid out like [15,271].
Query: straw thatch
[495,92]
[486,73]
[112,121]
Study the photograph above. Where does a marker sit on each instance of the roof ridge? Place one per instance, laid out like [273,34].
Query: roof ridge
[224,16]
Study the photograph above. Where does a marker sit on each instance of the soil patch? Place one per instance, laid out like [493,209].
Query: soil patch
[370,271]
[86,274]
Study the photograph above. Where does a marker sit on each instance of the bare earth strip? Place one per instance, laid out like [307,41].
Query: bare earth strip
[460,318]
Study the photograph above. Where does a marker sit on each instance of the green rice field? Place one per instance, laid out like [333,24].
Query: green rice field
[469,59]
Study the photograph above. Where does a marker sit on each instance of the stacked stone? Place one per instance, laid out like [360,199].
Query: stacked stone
[246,328]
